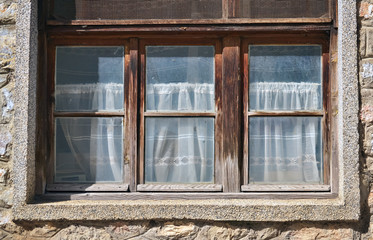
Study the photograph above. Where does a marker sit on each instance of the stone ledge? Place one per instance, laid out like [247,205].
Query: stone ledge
[214,209]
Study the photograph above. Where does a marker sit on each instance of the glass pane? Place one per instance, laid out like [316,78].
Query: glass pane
[285,150]
[89,150]
[179,150]
[89,78]
[283,9]
[285,77]
[180,78]
[138,9]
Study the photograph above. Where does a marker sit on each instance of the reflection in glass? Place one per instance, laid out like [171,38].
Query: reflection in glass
[285,150]
[285,77]
[88,150]
[89,78]
[180,78]
[179,150]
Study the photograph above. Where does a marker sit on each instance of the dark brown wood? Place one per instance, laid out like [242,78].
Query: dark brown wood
[225,9]
[245,78]
[233,7]
[71,187]
[179,114]
[325,120]
[334,12]
[189,21]
[161,31]
[232,114]
[42,120]
[285,113]
[186,196]
[51,58]
[88,114]
[141,153]
[179,188]
[219,115]
[285,188]
[131,114]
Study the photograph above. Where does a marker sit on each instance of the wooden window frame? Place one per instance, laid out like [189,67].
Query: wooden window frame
[53,114]
[195,187]
[231,115]
[288,39]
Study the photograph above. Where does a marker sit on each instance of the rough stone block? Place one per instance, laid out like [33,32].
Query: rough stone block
[8,13]
[366,73]
[7,50]
[7,105]
[362,42]
[3,175]
[5,141]
[369,42]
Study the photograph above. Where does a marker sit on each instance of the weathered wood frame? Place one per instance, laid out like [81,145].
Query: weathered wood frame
[53,114]
[230,149]
[216,186]
[288,39]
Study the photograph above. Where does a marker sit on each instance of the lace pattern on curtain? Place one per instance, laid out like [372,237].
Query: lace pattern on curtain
[285,149]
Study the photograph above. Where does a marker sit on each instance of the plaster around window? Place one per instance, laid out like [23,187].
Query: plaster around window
[345,207]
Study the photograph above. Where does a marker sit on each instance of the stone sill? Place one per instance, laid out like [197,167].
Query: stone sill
[210,210]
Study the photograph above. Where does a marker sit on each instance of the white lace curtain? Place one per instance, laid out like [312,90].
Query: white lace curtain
[180,150]
[285,149]
[95,143]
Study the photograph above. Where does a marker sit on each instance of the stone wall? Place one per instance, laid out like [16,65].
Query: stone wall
[181,229]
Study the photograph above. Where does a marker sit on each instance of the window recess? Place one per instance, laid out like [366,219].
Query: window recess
[286,115]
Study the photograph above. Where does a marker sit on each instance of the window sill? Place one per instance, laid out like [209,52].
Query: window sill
[332,209]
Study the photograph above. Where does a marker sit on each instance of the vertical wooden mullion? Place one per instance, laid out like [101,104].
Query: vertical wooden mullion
[51,56]
[333,111]
[232,114]
[245,71]
[233,7]
[130,158]
[325,120]
[218,114]
[225,9]
[141,150]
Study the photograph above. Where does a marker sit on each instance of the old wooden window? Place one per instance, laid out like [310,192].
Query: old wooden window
[210,109]
[286,114]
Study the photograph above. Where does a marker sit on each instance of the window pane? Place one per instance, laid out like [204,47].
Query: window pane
[283,8]
[180,78]
[89,78]
[179,150]
[138,9]
[286,150]
[285,78]
[89,150]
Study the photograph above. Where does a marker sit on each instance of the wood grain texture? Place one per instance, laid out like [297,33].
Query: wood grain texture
[179,188]
[334,163]
[218,167]
[126,31]
[232,114]
[285,188]
[189,21]
[131,147]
